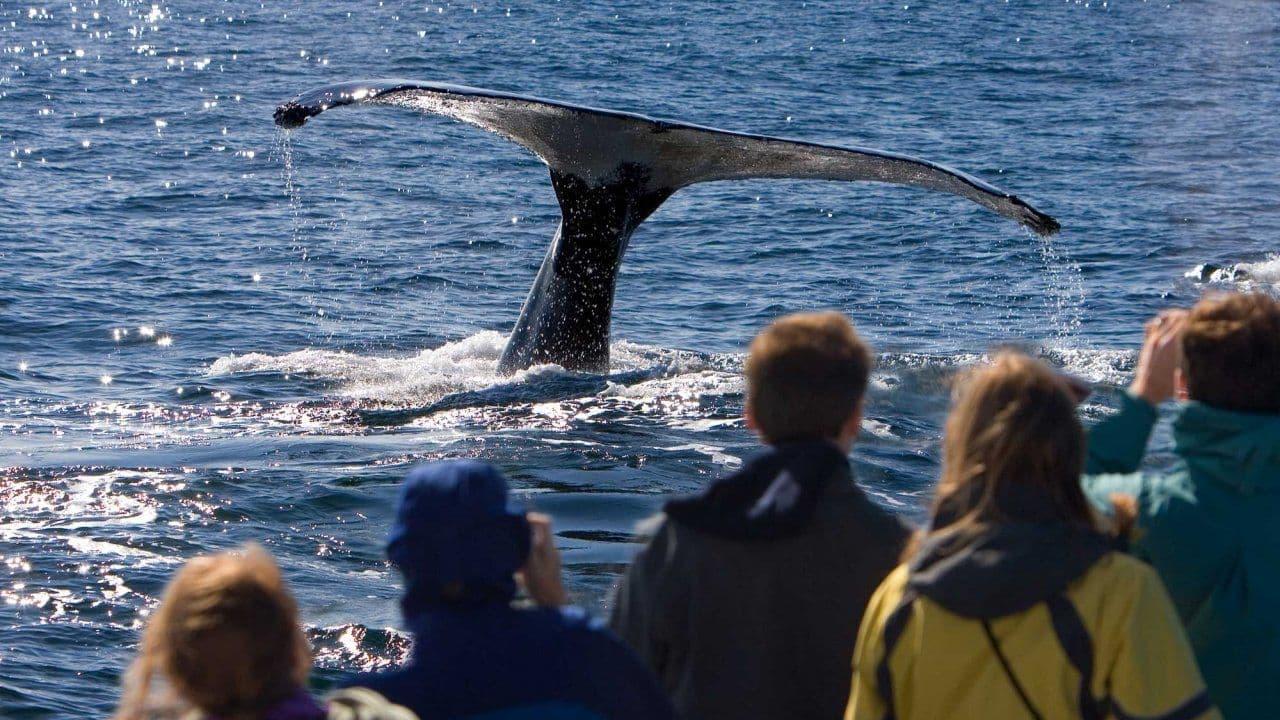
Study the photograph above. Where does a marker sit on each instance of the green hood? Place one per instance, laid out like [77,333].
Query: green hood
[1240,450]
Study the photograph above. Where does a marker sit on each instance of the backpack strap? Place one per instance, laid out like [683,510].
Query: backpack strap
[1077,644]
[893,627]
[1008,671]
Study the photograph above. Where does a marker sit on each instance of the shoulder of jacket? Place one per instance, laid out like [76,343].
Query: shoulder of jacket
[1115,577]
[897,579]
[1119,567]
[858,512]
[650,527]
[893,588]
[358,703]
[1167,497]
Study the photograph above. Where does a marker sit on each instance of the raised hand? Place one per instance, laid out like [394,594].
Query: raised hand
[1160,358]
[541,572]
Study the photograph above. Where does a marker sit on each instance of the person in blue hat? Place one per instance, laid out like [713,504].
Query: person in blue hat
[460,545]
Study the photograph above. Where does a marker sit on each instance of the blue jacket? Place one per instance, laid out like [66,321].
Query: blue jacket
[1210,525]
[457,540]
[495,661]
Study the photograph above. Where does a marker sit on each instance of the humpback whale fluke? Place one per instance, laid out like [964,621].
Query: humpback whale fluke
[611,170]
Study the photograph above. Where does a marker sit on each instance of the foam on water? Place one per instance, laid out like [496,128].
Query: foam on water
[1103,366]
[1264,271]
[82,501]
[677,380]
[469,364]
[1263,275]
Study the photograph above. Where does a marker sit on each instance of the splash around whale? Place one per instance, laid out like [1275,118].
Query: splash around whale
[610,171]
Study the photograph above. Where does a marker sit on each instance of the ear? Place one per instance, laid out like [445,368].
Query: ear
[1180,385]
[749,416]
[849,431]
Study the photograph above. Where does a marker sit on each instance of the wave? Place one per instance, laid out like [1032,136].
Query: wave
[459,382]
[82,501]
[1096,365]
[467,365]
[1261,275]
[353,646]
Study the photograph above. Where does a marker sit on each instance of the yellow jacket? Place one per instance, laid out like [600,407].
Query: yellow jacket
[940,664]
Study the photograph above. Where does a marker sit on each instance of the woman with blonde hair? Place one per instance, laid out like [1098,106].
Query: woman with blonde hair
[226,644]
[1015,602]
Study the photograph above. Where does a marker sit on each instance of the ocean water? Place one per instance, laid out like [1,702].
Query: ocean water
[214,332]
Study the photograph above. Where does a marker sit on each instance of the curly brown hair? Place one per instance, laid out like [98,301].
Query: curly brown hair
[1231,352]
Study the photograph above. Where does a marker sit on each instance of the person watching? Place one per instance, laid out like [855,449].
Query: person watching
[225,644]
[461,546]
[745,600]
[1015,603]
[1210,523]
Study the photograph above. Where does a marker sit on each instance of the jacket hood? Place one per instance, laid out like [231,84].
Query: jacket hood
[1241,450]
[773,496]
[456,539]
[1005,568]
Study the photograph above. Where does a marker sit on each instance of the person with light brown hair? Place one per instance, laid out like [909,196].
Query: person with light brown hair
[225,643]
[745,599]
[1015,602]
[1210,525]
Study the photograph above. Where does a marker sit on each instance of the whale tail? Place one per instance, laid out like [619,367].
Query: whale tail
[610,171]
[591,144]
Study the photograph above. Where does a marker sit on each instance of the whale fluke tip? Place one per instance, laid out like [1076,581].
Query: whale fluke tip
[1040,223]
[292,115]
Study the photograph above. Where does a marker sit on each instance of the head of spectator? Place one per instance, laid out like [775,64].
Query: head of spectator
[1231,353]
[226,642]
[1013,451]
[806,377]
[458,540]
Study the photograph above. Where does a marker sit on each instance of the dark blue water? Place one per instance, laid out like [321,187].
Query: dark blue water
[211,332]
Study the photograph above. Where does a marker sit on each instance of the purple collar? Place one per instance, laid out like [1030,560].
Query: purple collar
[298,706]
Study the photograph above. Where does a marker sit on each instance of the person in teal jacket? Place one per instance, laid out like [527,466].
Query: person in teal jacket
[1210,524]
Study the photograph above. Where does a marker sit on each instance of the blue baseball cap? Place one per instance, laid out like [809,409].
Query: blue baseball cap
[457,537]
